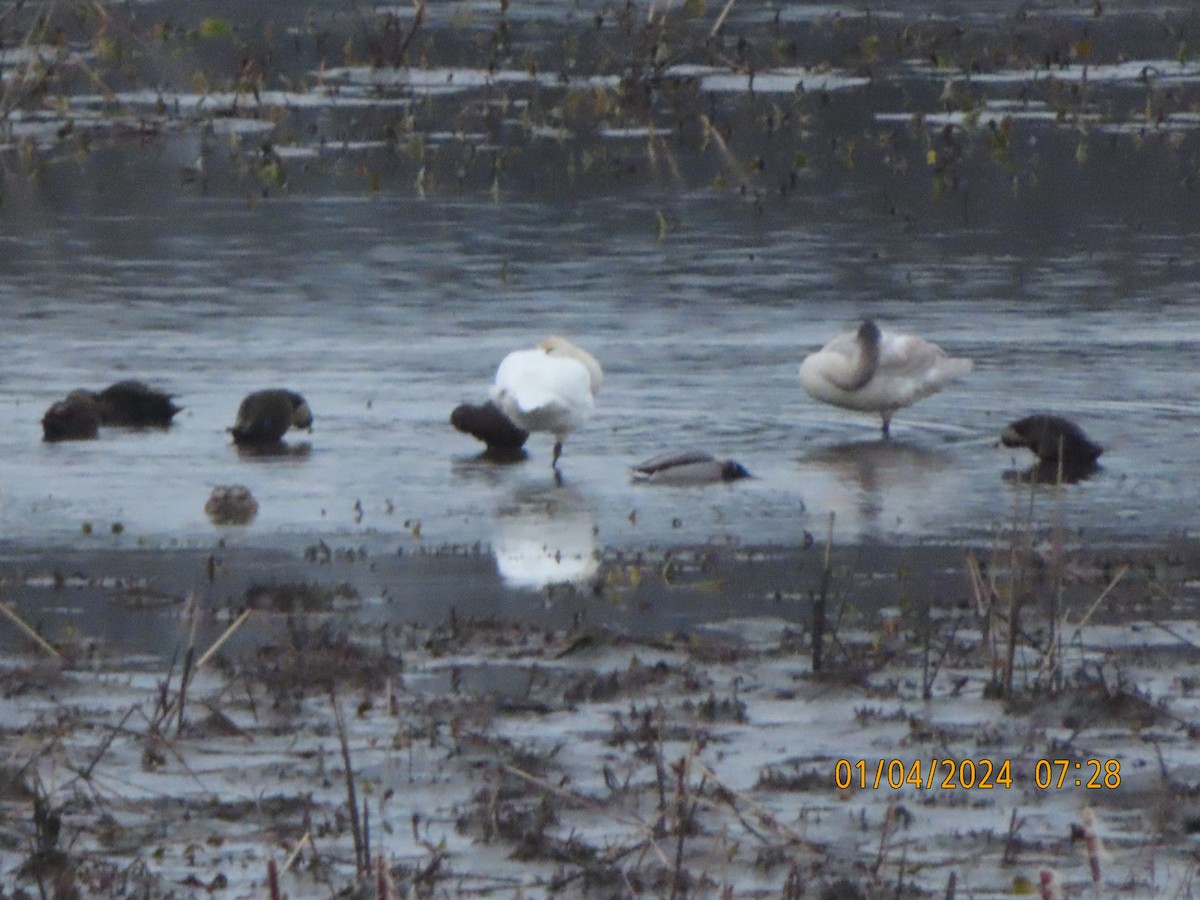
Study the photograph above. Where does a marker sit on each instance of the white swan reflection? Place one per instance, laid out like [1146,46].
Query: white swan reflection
[545,536]
[882,485]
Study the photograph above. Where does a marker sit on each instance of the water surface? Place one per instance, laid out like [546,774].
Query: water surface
[378,238]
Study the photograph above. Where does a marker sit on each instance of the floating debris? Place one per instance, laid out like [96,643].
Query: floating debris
[231,504]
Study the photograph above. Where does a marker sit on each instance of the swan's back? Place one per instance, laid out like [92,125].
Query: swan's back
[881,375]
[542,391]
[919,367]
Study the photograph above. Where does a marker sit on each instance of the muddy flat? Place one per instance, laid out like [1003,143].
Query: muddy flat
[656,729]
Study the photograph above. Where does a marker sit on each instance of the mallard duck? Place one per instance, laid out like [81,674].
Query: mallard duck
[134,404]
[877,371]
[688,467]
[1052,438]
[75,418]
[549,388]
[264,417]
[485,422]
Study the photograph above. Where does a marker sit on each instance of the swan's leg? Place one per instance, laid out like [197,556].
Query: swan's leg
[557,454]
[887,424]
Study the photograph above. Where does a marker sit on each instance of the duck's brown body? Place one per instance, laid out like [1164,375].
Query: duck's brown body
[264,417]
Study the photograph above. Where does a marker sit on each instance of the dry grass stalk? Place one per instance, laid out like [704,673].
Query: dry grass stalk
[721,19]
[361,859]
[1095,847]
[384,886]
[1048,885]
[189,658]
[226,635]
[185,678]
[685,816]
[1121,572]
[634,822]
[766,817]
[86,772]
[33,635]
[712,132]
[893,817]
[1011,842]
[154,726]
[295,854]
[986,601]
[820,603]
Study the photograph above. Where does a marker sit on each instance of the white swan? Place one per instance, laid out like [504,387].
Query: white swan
[549,388]
[877,371]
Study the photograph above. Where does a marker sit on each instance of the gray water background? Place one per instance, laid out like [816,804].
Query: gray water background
[386,284]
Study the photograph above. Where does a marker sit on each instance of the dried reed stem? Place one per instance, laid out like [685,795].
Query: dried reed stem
[361,861]
[295,854]
[721,19]
[820,604]
[1103,595]
[226,635]
[33,635]
[587,803]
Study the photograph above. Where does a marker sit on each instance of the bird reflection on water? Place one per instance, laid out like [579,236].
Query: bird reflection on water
[878,483]
[1047,471]
[279,450]
[545,536]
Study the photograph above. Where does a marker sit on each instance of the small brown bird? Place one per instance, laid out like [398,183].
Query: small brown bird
[264,417]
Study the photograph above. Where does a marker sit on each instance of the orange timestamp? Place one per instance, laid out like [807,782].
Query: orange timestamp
[974,774]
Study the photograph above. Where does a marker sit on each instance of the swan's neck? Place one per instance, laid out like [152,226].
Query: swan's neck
[867,358]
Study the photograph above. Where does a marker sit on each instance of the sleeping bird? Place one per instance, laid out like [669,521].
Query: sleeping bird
[872,370]
[549,388]
[264,417]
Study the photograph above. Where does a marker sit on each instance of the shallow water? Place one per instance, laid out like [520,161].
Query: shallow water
[1067,274]
[386,313]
